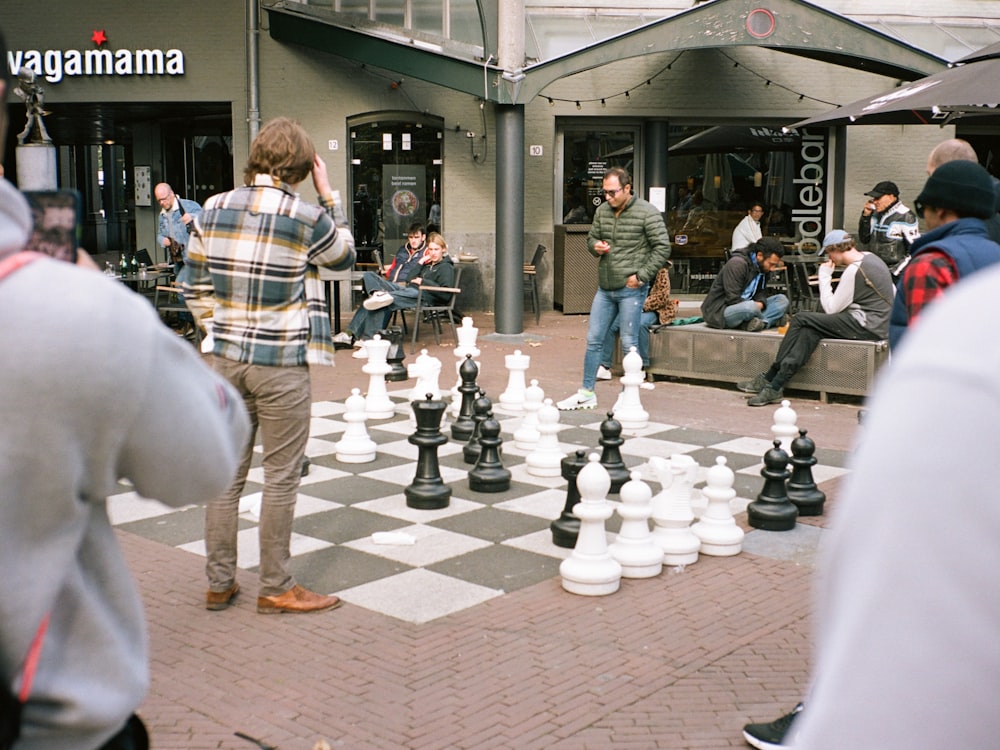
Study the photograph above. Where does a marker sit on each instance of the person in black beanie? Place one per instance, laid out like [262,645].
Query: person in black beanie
[956,199]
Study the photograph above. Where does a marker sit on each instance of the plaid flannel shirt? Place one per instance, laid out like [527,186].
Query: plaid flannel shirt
[925,279]
[256,252]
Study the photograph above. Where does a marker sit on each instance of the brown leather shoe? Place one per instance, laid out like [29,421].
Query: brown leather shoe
[296,600]
[216,600]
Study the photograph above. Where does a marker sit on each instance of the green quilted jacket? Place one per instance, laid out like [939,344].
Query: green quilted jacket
[639,243]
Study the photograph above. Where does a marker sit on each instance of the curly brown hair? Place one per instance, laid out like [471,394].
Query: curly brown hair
[283,150]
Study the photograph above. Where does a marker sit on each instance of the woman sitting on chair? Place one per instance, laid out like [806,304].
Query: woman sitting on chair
[438,270]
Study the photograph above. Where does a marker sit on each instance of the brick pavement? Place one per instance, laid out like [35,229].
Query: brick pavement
[679,661]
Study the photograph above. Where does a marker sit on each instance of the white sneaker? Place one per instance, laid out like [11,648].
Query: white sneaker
[580,400]
[378,300]
[361,353]
[603,373]
[343,338]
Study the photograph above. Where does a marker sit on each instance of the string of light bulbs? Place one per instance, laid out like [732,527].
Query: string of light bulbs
[649,82]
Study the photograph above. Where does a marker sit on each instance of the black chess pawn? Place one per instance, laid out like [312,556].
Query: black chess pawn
[428,491]
[772,510]
[566,528]
[802,490]
[489,475]
[480,408]
[463,426]
[396,354]
[611,455]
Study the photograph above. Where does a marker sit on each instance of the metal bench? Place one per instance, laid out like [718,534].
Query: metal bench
[697,352]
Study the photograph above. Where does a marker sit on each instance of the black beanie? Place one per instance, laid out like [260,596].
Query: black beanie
[963,186]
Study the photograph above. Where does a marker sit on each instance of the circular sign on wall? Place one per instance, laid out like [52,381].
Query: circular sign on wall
[760,23]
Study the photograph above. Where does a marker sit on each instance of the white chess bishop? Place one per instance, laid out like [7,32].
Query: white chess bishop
[590,570]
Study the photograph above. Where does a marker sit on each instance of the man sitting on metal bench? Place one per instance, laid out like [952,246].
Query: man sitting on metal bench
[859,309]
[738,296]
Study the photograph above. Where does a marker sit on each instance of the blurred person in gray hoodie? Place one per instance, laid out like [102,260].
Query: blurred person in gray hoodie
[87,361]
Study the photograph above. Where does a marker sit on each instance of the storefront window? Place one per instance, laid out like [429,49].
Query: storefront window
[396,160]
[716,174]
[587,153]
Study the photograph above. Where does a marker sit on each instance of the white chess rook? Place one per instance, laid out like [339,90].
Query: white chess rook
[517,364]
[590,570]
[634,549]
[355,445]
[717,530]
[672,512]
[628,410]
[378,405]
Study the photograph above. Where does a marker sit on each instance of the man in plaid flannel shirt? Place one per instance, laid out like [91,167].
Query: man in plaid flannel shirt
[254,253]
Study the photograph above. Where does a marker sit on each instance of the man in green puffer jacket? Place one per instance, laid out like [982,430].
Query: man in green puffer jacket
[630,240]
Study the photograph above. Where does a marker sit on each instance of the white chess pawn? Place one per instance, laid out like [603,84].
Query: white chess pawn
[628,410]
[546,459]
[526,435]
[355,446]
[378,405]
[467,334]
[590,570]
[672,514]
[634,549]
[517,364]
[717,530]
[784,427]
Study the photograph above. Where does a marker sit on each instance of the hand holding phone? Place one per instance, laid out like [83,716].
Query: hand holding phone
[56,215]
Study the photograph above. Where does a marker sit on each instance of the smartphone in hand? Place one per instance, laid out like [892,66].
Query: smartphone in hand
[57,218]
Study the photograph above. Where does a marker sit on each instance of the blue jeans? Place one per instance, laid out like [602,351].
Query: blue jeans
[774,310]
[646,321]
[366,323]
[625,304]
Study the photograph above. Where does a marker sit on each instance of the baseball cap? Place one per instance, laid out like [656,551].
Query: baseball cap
[963,186]
[835,238]
[884,188]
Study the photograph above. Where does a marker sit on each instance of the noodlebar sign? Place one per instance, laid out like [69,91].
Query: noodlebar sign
[55,64]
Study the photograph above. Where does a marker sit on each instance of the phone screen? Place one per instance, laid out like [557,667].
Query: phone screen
[56,215]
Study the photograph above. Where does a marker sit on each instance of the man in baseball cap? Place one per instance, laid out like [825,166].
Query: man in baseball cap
[954,202]
[887,227]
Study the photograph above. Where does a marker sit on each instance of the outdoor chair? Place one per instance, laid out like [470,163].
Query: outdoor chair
[167,300]
[531,281]
[436,314]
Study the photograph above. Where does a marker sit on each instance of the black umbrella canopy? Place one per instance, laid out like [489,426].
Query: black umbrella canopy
[724,139]
[970,89]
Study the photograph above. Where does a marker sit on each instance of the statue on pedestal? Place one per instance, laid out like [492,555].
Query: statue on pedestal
[34,97]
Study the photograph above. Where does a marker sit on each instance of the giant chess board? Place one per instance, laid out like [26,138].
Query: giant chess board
[481,546]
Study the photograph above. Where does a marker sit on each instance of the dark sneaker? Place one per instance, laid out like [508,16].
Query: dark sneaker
[756,324]
[770,736]
[753,386]
[767,395]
